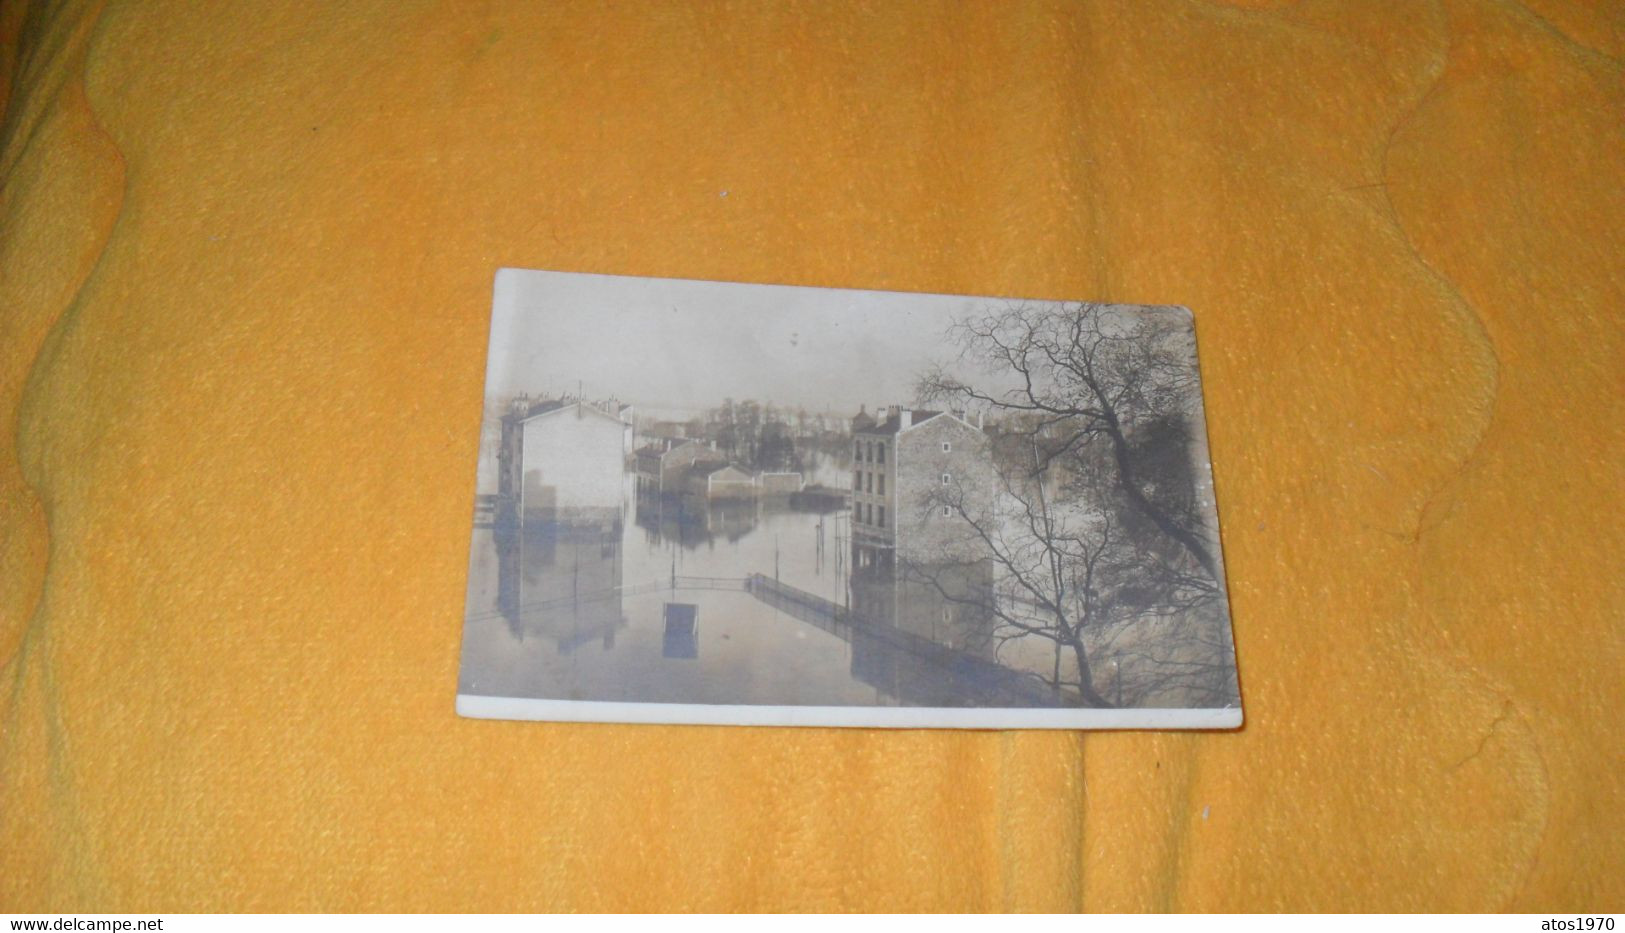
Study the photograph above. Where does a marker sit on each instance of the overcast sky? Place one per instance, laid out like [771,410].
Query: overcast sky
[665,344]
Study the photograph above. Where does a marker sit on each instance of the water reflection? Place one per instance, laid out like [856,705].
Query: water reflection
[691,522]
[561,582]
[749,601]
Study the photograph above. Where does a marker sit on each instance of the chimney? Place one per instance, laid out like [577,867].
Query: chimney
[978,420]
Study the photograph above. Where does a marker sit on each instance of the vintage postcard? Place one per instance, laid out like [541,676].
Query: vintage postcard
[707,502]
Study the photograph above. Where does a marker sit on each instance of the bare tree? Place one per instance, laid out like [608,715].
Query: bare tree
[1096,533]
[1129,625]
[1085,376]
[1046,556]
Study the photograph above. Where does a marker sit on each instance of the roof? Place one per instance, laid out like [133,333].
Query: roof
[542,408]
[722,468]
[556,405]
[895,423]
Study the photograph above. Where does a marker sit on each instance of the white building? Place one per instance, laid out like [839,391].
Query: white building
[573,462]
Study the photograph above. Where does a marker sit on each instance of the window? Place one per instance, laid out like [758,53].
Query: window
[881,521]
[857,451]
[880,452]
[857,480]
[946,447]
[868,514]
[880,483]
[946,511]
[869,483]
[946,479]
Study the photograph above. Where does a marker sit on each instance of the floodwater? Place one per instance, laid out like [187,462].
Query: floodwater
[741,602]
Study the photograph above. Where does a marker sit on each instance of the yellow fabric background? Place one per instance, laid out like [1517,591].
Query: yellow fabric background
[245,264]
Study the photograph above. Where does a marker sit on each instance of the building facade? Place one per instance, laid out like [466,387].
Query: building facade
[919,481]
[570,462]
[665,471]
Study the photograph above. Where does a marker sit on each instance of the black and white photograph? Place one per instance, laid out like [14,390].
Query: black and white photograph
[707,502]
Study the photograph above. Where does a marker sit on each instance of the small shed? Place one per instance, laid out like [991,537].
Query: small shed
[729,482]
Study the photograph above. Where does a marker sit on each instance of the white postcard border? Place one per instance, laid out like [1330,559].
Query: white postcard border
[474,706]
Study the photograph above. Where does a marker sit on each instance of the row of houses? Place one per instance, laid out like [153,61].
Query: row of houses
[917,475]
[697,468]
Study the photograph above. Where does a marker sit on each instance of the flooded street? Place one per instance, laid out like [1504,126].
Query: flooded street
[659,606]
